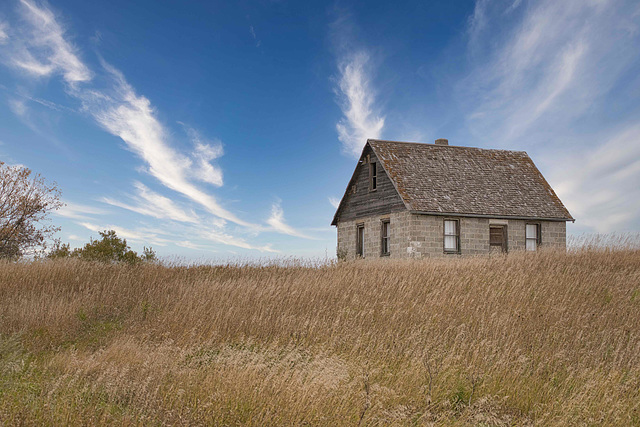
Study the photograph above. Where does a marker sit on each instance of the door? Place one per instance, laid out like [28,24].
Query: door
[498,239]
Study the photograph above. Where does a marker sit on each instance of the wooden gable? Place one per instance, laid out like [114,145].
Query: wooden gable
[360,199]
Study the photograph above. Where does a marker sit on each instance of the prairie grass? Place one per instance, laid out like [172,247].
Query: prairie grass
[550,338]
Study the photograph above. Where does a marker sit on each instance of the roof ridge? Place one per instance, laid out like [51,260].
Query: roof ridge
[428,144]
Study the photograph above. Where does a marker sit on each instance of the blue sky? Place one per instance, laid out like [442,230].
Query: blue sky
[217,129]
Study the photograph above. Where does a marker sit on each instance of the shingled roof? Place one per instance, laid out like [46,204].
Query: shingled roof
[446,179]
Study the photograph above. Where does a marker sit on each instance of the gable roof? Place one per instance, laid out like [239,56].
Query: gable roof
[446,179]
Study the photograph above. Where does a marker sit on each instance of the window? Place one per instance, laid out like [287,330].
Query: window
[360,240]
[532,236]
[385,238]
[452,236]
[498,238]
[373,176]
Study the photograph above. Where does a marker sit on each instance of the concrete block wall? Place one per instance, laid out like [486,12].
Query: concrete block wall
[554,234]
[421,236]
[399,235]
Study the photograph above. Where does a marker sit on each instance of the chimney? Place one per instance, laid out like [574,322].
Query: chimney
[442,141]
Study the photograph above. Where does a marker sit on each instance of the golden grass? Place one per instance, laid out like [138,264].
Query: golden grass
[549,338]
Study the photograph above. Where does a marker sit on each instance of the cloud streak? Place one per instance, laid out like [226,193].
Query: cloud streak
[356,98]
[46,51]
[131,117]
[545,79]
[78,211]
[278,223]
[155,205]
[40,48]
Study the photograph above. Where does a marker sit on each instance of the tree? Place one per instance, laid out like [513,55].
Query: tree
[26,200]
[59,250]
[109,249]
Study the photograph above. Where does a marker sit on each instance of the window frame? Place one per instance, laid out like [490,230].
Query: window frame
[359,242]
[383,222]
[457,235]
[538,237]
[373,176]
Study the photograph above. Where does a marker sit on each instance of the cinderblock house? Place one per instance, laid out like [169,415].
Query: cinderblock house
[425,200]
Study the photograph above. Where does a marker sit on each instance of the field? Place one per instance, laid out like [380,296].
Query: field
[529,339]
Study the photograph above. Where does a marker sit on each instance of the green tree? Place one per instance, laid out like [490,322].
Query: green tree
[59,250]
[108,249]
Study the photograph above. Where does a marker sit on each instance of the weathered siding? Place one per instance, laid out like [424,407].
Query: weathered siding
[362,203]
[421,236]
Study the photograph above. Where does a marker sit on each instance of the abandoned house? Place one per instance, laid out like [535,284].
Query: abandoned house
[410,199]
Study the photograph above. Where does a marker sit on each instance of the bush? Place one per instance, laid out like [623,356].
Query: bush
[109,249]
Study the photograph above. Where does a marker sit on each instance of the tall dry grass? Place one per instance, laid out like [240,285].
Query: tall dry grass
[549,338]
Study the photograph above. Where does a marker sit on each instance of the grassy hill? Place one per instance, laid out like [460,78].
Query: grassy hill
[529,339]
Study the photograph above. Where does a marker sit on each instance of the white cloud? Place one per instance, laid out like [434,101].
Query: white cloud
[139,236]
[45,50]
[334,201]
[550,66]
[277,222]
[357,101]
[226,239]
[555,79]
[203,154]
[18,106]
[255,37]
[3,32]
[600,187]
[131,117]
[189,245]
[41,49]
[152,204]
[78,211]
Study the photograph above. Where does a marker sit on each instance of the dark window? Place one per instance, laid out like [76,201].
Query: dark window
[532,237]
[373,176]
[360,240]
[385,238]
[451,236]
[498,238]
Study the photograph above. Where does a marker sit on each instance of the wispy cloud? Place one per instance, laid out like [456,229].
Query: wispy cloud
[4,37]
[278,223]
[601,186]
[204,153]
[549,62]
[79,211]
[255,37]
[131,117]
[140,236]
[545,79]
[18,107]
[41,48]
[45,50]
[155,205]
[356,98]
[334,201]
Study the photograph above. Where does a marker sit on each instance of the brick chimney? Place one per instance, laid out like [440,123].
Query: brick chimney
[442,141]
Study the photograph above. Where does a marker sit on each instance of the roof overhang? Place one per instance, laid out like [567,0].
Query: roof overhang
[529,218]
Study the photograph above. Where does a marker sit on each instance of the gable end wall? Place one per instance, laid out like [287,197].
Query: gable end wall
[385,199]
